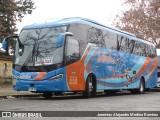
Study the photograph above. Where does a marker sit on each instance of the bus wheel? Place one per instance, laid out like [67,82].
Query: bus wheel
[111,92]
[90,90]
[141,89]
[47,95]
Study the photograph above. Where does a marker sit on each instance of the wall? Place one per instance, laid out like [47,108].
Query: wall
[5,69]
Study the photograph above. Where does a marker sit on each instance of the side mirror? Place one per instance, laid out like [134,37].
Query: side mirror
[61,38]
[5,44]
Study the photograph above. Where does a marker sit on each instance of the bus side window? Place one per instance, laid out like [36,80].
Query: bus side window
[125,44]
[147,53]
[154,52]
[95,36]
[151,51]
[110,40]
[72,50]
[137,48]
[143,50]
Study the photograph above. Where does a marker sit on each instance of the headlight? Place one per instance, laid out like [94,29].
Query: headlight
[60,76]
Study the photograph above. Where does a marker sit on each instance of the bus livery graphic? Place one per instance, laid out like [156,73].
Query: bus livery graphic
[81,55]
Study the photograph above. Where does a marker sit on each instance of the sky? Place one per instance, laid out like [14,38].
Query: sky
[99,10]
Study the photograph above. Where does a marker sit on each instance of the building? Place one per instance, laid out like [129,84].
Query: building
[5,67]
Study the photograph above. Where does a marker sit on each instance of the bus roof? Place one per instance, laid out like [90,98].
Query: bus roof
[67,21]
[73,20]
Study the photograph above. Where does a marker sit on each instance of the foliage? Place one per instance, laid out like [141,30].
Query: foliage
[12,11]
[141,18]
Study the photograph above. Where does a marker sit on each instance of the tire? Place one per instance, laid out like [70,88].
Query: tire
[90,89]
[111,92]
[47,95]
[141,89]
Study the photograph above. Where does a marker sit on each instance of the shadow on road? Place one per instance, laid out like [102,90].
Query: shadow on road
[80,96]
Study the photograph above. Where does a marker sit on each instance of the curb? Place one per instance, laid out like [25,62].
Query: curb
[3,97]
[19,96]
[39,95]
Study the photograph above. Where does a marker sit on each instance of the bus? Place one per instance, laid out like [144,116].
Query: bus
[158,74]
[80,55]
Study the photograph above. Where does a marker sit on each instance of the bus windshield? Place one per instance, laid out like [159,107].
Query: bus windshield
[39,47]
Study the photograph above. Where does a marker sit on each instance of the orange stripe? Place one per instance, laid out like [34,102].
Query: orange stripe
[146,63]
[115,76]
[153,66]
[40,76]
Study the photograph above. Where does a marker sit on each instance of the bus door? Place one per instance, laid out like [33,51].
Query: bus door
[74,69]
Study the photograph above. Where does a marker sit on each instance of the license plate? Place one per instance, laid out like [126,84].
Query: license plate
[32,89]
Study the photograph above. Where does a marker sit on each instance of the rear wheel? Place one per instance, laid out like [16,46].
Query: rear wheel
[141,89]
[90,90]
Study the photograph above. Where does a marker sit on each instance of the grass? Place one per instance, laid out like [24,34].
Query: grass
[6,83]
[6,89]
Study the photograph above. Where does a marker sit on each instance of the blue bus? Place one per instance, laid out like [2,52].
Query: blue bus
[81,55]
[158,73]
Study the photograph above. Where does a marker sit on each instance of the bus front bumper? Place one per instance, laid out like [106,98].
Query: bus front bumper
[41,86]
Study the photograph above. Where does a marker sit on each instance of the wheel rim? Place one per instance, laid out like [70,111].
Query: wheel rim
[141,87]
[90,85]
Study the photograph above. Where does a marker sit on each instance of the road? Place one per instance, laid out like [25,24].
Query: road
[150,101]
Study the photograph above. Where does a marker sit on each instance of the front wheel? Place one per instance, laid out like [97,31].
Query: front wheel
[141,89]
[90,90]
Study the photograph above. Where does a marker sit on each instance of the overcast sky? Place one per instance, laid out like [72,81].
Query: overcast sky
[98,10]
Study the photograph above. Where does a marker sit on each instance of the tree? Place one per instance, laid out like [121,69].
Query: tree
[12,11]
[142,19]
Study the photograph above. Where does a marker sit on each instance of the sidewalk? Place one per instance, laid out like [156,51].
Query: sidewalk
[6,91]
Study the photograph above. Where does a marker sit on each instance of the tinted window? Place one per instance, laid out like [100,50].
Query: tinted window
[80,33]
[72,50]
[102,38]
[110,40]
[96,36]
[125,44]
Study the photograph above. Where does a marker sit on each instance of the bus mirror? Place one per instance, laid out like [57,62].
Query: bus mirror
[4,44]
[61,37]
[60,40]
